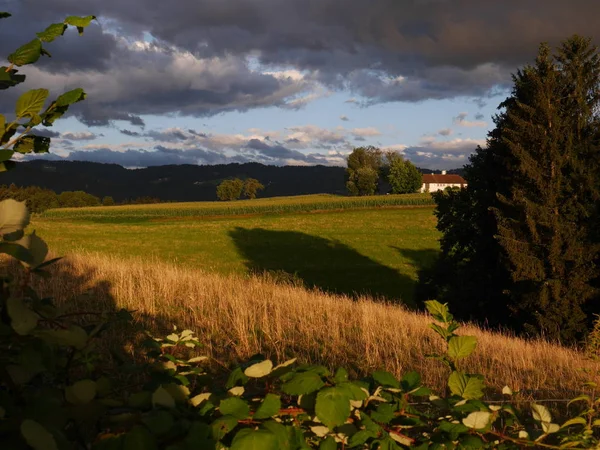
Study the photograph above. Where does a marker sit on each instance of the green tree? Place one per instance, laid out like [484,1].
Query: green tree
[542,221]
[77,199]
[108,201]
[403,176]
[230,190]
[363,172]
[251,187]
[517,244]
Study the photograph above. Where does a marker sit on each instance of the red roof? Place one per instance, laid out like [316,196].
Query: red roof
[443,179]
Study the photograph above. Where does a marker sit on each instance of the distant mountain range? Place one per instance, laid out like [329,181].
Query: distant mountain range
[175,182]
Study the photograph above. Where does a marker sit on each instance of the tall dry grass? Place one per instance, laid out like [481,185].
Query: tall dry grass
[237,317]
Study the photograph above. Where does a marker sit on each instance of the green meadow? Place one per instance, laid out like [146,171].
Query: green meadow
[345,247]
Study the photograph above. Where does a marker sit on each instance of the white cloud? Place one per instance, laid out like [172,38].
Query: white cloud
[365,132]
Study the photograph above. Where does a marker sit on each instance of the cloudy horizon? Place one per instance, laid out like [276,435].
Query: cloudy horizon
[284,82]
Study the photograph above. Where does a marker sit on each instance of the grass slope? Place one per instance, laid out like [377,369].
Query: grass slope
[237,317]
[372,251]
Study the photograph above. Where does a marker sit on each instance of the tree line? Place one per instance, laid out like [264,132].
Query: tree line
[371,170]
[40,199]
[520,244]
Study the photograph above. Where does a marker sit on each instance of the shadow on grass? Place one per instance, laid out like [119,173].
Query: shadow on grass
[328,265]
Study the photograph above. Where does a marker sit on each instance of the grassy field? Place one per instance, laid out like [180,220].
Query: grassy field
[374,251]
[237,317]
[300,203]
[190,265]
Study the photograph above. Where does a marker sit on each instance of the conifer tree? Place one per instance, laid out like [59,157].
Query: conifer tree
[542,221]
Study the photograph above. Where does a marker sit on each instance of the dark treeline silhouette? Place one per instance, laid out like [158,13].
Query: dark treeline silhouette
[174,182]
[40,199]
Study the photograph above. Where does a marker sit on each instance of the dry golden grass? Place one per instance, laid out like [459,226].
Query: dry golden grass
[237,317]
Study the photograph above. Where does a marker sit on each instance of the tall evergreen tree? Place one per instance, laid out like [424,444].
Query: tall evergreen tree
[540,222]
[520,239]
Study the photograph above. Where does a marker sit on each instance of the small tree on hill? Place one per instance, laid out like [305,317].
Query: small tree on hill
[403,176]
[230,190]
[364,167]
[108,201]
[251,187]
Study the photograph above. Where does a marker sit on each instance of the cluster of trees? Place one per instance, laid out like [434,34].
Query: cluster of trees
[40,199]
[233,189]
[521,244]
[370,170]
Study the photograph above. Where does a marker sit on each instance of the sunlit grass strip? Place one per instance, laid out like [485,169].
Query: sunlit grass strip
[259,206]
[237,316]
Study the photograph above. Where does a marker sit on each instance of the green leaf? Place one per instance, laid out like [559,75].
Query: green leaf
[161,397]
[332,407]
[352,391]
[410,381]
[259,370]
[236,407]
[26,54]
[73,336]
[139,438]
[477,420]
[269,407]
[303,383]
[384,413]
[439,311]
[159,422]
[9,78]
[36,247]
[36,436]
[222,426]
[360,438]
[541,413]
[340,376]
[32,143]
[81,393]
[79,22]
[248,439]
[461,346]
[236,376]
[466,386]
[14,216]
[4,15]
[70,97]
[52,32]
[5,155]
[328,444]
[31,102]
[386,379]
[23,319]
[16,251]
[574,421]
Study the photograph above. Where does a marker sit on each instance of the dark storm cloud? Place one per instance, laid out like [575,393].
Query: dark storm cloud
[382,50]
[278,152]
[130,133]
[45,132]
[144,158]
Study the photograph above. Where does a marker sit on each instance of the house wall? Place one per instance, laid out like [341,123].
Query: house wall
[433,187]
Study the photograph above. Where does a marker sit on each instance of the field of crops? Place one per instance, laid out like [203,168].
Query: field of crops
[354,249]
[304,203]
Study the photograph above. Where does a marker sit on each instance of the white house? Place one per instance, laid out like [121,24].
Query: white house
[436,182]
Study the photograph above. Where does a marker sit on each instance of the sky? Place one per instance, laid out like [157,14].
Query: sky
[283,82]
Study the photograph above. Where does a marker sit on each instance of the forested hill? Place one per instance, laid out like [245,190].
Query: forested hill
[175,182]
